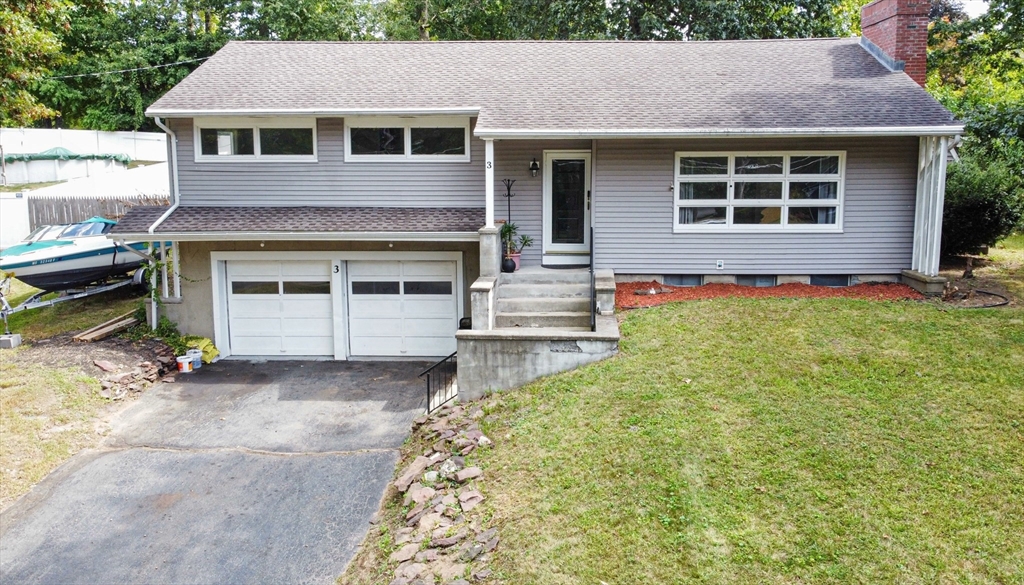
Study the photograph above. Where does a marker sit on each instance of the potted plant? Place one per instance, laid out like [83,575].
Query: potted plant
[513,243]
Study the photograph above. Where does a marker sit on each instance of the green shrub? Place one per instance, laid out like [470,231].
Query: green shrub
[984,203]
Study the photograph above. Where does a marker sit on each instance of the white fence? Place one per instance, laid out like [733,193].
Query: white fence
[57,209]
[135,186]
[138,145]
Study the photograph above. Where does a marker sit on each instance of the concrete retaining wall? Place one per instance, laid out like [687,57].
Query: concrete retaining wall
[502,359]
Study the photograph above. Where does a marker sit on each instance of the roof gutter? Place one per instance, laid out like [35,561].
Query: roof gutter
[187,113]
[173,175]
[312,236]
[509,134]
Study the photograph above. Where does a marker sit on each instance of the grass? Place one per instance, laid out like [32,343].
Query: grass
[46,415]
[1008,265]
[69,316]
[771,441]
[27,186]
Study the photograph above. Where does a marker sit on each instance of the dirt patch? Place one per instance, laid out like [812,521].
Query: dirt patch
[973,278]
[54,401]
[62,352]
[631,295]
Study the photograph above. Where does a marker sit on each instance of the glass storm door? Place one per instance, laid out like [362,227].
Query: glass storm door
[567,202]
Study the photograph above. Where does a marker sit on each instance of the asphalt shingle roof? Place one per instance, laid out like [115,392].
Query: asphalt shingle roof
[269,220]
[565,85]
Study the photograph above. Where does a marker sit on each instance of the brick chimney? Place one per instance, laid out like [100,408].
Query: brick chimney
[900,29]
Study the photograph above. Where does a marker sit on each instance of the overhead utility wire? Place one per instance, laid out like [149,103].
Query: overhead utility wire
[98,73]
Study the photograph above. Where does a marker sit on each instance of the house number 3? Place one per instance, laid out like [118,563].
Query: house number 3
[489,164]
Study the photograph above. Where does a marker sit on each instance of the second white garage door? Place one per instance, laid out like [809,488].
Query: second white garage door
[399,308]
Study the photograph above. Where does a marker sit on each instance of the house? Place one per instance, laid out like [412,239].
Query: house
[340,199]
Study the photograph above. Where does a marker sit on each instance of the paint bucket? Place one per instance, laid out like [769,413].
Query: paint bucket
[197,358]
[185,364]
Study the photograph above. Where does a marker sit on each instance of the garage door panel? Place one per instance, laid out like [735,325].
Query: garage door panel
[429,327]
[256,326]
[303,304]
[252,268]
[374,327]
[432,346]
[362,269]
[375,307]
[252,307]
[429,307]
[304,327]
[309,345]
[315,268]
[414,269]
[256,345]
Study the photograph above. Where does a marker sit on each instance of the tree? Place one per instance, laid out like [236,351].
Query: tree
[976,69]
[30,47]
[493,19]
[742,19]
[306,20]
[117,57]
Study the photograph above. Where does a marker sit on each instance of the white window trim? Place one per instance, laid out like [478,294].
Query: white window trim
[255,124]
[407,124]
[730,203]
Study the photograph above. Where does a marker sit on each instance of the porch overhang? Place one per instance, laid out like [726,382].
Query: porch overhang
[303,223]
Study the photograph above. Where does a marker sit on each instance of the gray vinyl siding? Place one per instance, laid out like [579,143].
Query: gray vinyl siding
[330,180]
[512,161]
[633,213]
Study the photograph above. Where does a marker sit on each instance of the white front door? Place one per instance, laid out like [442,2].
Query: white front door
[567,207]
[402,308]
[280,308]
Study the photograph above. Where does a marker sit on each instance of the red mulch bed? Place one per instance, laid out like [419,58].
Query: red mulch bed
[625,297]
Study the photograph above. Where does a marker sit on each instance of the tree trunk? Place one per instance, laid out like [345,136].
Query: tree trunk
[425,21]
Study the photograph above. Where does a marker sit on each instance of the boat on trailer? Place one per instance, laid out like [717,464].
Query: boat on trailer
[62,257]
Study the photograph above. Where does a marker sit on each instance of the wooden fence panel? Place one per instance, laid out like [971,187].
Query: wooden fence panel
[58,209]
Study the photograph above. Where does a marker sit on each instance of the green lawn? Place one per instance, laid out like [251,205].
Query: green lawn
[771,441]
[69,316]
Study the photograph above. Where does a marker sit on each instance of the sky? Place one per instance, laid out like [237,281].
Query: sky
[975,8]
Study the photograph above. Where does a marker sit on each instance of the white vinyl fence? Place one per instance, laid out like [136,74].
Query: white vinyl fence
[150,146]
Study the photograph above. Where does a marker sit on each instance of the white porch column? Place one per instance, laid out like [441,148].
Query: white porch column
[489,181]
[931,195]
[177,269]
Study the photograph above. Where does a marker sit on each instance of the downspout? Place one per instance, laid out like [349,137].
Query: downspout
[175,194]
[176,198]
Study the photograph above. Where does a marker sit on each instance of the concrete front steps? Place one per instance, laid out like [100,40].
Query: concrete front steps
[544,298]
[541,327]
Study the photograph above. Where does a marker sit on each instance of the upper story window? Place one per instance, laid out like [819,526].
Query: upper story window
[724,191]
[417,139]
[250,139]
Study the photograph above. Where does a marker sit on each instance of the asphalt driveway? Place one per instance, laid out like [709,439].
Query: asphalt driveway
[240,473]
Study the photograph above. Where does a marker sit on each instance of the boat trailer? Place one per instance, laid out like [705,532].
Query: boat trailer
[34,302]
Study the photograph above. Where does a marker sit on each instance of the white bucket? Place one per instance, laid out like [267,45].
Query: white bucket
[197,358]
[185,364]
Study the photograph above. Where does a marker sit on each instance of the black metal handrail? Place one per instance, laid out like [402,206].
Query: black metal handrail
[593,285]
[442,385]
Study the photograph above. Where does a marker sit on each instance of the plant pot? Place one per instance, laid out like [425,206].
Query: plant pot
[515,258]
[508,265]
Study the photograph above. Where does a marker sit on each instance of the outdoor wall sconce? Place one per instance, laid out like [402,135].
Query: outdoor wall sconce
[534,168]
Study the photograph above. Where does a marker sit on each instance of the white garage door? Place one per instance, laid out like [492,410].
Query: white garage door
[402,308]
[280,308]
